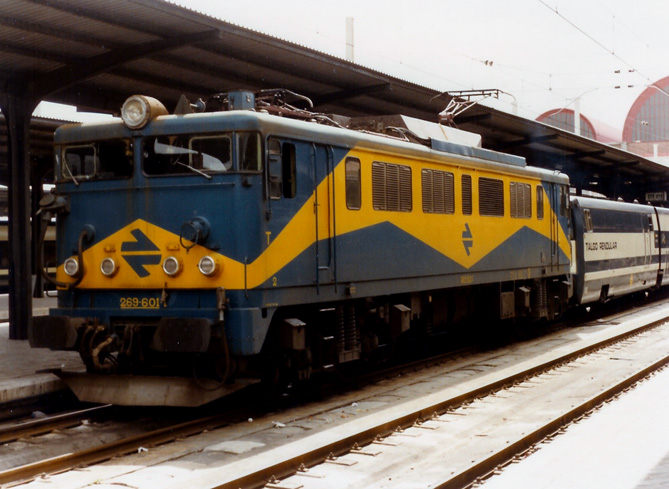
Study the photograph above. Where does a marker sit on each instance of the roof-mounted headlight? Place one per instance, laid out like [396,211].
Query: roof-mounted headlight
[138,110]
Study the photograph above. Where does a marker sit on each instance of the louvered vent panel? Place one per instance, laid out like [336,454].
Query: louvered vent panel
[438,192]
[449,193]
[392,187]
[521,200]
[491,197]
[406,197]
[379,186]
[427,186]
[467,195]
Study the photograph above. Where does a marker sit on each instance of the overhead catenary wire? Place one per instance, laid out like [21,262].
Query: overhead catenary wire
[602,45]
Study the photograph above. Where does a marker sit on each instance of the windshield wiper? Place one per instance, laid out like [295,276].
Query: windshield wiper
[205,175]
[70,172]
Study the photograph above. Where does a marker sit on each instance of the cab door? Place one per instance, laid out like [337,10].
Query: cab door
[322,164]
[648,229]
[555,206]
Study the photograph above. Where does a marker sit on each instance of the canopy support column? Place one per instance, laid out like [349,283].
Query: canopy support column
[17,110]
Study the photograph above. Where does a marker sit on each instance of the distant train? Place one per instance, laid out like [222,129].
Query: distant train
[202,251]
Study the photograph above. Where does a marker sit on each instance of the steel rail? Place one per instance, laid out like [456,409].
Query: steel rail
[107,451]
[287,467]
[48,424]
[316,456]
[164,435]
[487,466]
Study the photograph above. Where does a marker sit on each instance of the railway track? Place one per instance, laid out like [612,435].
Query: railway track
[104,450]
[395,451]
[47,424]
[364,426]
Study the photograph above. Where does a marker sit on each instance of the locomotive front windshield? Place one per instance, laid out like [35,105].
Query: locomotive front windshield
[201,153]
[98,160]
[182,154]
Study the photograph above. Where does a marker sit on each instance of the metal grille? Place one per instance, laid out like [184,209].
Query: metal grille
[379,186]
[491,197]
[521,200]
[438,193]
[467,195]
[391,187]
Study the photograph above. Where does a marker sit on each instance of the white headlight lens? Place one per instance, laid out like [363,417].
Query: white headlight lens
[108,267]
[138,110]
[207,266]
[171,266]
[135,112]
[71,266]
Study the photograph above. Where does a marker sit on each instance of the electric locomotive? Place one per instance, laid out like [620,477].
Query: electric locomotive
[204,250]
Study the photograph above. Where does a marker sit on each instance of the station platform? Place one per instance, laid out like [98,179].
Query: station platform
[19,363]
[622,445]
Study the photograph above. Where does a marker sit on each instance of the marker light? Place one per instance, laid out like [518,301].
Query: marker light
[171,266]
[207,266]
[108,267]
[138,110]
[71,267]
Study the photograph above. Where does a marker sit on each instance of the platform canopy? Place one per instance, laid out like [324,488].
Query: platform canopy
[95,54]
[591,165]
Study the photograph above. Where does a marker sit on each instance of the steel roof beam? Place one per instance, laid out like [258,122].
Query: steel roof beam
[34,53]
[67,35]
[79,9]
[526,141]
[70,75]
[351,93]
[588,154]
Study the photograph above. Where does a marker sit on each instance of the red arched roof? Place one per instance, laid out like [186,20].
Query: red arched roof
[641,101]
[600,131]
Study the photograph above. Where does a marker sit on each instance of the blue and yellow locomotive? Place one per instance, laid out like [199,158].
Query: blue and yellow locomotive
[201,251]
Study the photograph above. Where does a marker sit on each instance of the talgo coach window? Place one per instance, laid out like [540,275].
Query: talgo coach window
[438,192]
[391,187]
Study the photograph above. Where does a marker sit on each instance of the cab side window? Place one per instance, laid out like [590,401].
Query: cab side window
[281,170]
[353,193]
[249,150]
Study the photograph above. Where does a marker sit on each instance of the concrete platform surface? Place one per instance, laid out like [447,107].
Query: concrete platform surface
[19,363]
[622,445]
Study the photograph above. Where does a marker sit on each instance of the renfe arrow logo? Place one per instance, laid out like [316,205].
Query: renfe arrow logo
[467,238]
[140,253]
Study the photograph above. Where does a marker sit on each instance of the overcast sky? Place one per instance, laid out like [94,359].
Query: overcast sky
[544,53]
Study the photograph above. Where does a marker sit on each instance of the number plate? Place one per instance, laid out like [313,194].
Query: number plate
[140,303]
